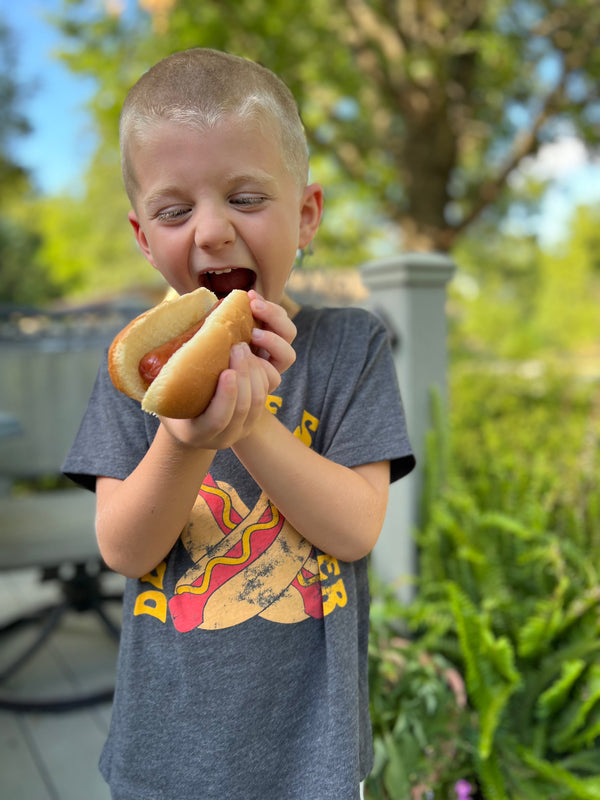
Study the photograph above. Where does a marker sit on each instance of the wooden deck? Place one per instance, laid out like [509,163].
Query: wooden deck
[48,755]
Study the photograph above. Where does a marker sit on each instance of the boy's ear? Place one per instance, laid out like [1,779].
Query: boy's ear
[311,209]
[140,237]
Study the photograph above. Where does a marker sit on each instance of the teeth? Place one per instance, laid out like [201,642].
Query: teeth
[218,271]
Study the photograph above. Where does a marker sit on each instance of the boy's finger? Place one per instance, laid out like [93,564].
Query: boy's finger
[240,362]
[220,411]
[273,317]
[279,352]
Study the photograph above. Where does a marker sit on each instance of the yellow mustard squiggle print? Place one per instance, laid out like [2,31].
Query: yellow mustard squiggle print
[306,583]
[230,560]
[214,490]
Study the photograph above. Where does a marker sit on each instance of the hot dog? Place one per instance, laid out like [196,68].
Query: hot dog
[170,357]
[151,364]
[246,563]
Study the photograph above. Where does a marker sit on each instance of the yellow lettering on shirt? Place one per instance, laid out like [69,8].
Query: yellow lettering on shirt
[306,428]
[274,403]
[157,575]
[328,565]
[153,603]
[333,594]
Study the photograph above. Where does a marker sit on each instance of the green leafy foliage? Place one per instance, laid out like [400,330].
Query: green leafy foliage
[426,108]
[513,299]
[23,280]
[419,714]
[509,588]
[416,115]
[12,121]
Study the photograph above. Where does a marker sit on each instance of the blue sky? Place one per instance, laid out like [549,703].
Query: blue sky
[62,140]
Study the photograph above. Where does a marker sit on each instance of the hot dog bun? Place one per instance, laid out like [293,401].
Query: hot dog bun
[187,382]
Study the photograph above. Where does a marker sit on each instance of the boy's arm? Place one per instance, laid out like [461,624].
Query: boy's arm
[138,520]
[338,509]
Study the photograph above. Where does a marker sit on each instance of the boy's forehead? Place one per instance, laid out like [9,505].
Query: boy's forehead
[251,131]
[252,134]
[260,129]
[260,123]
[235,149]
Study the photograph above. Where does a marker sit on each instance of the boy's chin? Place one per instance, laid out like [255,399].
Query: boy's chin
[223,283]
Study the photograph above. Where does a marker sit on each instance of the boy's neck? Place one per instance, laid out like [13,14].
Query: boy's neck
[289,305]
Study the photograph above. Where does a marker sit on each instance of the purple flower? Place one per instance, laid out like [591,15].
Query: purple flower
[463,790]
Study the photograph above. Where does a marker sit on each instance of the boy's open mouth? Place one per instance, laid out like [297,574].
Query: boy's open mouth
[223,281]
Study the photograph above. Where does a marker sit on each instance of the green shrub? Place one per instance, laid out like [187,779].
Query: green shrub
[508,589]
[418,710]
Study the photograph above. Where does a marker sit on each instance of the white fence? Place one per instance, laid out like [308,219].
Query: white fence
[410,292]
[47,368]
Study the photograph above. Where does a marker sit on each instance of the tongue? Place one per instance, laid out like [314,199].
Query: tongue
[225,282]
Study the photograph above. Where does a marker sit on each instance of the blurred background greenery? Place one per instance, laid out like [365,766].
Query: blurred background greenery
[424,122]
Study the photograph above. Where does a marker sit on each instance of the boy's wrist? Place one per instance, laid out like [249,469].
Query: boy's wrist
[182,442]
[260,432]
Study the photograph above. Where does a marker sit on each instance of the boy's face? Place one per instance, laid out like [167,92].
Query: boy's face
[219,209]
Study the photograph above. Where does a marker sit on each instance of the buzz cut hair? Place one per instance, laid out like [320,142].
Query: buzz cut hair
[201,87]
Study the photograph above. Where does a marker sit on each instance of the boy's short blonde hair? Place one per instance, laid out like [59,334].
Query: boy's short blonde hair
[200,87]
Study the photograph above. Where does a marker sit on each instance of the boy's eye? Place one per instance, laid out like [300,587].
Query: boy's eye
[172,214]
[248,200]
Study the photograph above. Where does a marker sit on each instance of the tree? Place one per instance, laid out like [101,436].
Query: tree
[428,105]
[12,122]
[87,244]
[567,303]
[23,280]
[514,300]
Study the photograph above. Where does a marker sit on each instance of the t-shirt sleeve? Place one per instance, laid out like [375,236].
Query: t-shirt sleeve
[113,436]
[363,405]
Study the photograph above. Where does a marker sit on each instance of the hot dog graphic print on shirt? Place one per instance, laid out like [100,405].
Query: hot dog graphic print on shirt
[247,562]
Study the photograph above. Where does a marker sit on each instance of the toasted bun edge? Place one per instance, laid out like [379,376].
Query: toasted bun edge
[149,330]
[187,383]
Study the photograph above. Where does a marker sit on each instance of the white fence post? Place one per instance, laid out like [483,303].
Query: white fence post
[409,292]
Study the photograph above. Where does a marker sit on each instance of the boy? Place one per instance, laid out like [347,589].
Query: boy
[243,532]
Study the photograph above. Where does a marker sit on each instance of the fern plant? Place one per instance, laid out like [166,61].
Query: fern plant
[418,711]
[509,592]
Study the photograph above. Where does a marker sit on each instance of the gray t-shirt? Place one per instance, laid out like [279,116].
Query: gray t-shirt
[242,669]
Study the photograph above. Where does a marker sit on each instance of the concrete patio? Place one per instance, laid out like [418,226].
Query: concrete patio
[48,755]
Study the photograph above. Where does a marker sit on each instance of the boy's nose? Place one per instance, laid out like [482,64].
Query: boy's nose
[213,230]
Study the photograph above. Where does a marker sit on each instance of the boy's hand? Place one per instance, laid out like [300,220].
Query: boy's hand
[242,390]
[273,342]
[238,403]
